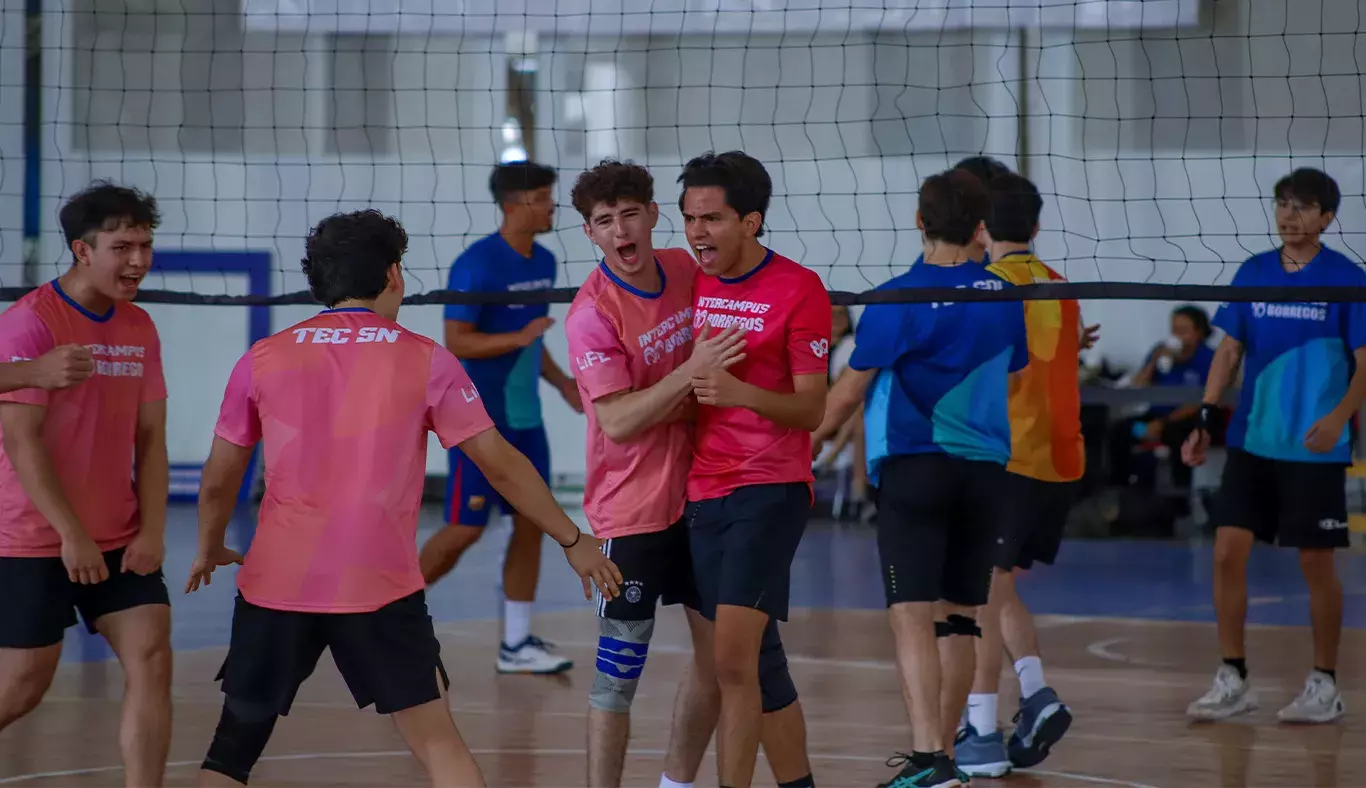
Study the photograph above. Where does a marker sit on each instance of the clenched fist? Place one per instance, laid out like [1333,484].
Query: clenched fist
[61,367]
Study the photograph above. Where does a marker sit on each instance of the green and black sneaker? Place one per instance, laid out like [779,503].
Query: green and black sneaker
[923,770]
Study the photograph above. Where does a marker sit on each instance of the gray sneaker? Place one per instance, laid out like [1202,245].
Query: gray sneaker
[1229,696]
[1320,701]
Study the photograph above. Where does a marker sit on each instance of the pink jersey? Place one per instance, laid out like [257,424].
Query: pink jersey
[622,339]
[89,429]
[784,310]
[342,403]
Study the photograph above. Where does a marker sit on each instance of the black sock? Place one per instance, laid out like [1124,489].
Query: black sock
[1332,674]
[801,782]
[1240,665]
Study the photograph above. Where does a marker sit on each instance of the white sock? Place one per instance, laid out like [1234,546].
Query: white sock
[1030,671]
[982,713]
[665,782]
[516,622]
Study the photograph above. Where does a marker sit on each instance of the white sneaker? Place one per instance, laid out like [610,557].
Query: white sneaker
[1229,696]
[532,655]
[1320,701]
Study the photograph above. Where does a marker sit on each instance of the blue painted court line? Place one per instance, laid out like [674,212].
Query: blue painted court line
[836,567]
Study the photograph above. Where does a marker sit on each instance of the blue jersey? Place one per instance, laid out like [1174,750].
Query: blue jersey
[1297,358]
[508,384]
[943,384]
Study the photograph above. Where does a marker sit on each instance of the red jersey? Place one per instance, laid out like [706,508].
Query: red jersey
[785,312]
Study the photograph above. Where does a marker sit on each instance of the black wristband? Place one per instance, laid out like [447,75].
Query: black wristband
[1207,412]
[577,536]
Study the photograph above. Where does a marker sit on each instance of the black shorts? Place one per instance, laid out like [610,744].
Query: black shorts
[656,569]
[1293,504]
[1035,519]
[743,545]
[40,601]
[939,520]
[389,657]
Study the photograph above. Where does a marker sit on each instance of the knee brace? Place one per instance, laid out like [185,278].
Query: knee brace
[622,648]
[776,689]
[957,625]
[243,730]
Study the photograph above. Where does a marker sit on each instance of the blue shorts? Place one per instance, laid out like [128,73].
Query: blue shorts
[470,496]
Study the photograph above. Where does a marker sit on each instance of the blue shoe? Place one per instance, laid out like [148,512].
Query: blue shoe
[981,756]
[1040,724]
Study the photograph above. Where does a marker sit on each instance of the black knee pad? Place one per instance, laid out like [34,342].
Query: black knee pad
[957,625]
[243,731]
[775,682]
[962,625]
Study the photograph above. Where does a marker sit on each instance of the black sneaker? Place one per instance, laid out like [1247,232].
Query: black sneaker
[923,770]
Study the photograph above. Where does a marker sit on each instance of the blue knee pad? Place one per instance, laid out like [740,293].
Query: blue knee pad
[244,728]
[775,682]
[622,648]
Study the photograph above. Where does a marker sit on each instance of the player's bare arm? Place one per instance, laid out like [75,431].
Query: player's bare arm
[561,381]
[219,484]
[1324,435]
[516,479]
[844,398]
[465,341]
[625,414]
[23,441]
[152,472]
[56,369]
[1221,370]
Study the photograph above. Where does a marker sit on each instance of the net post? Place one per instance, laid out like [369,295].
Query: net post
[519,122]
[1022,104]
[33,140]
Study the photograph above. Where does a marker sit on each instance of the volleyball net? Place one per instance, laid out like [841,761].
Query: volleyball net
[1154,129]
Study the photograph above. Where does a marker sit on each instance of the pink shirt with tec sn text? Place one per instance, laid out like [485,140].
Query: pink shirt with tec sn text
[342,404]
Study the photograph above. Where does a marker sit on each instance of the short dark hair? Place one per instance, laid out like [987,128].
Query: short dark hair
[983,167]
[519,176]
[1198,316]
[104,206]
[348,255]
[1312,187]
[746,183]
[611,182]
[952,206]
[1015,208]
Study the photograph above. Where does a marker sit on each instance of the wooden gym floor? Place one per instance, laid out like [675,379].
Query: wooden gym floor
[1124,628]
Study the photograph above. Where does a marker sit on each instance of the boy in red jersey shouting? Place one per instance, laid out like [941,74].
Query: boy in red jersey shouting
[749,489]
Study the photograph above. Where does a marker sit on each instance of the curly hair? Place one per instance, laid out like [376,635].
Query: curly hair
[612,182]
[347,256]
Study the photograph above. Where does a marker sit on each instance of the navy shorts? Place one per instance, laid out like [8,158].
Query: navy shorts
[743,545]
[656,569]
[469,496]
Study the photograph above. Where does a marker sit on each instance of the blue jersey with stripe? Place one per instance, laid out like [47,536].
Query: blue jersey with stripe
[1297,360]
[509,384]
[943,369]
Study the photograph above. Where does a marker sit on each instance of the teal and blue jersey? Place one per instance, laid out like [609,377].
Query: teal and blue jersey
[1297,360]
[509,384]
[943,369]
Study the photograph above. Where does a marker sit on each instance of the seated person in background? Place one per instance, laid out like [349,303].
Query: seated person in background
[845,450]
[1183,359]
